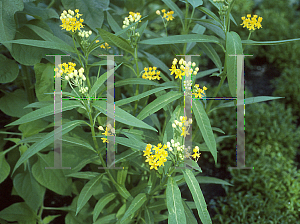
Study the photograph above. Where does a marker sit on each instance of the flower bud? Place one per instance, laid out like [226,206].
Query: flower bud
[193,64]
[157,12]
[100,128]
[168,144]
[172,141]
[83,78]
[196,69]
[174,125]
[66,77]
[71,75]
[90,32]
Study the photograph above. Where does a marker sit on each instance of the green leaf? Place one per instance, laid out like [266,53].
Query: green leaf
[83,175]
[100,81]
[233,47]
[211,53]
[190,218]
[149,219]
[7,20]
[18,212]
[213,26]
[44,81]
[53,179]
[136,203]
[102,203]
[43,44]
[39,12]
[29,189]
[32,128]
[123,192]
[9,71]
[135,81]
[205,127]
[142,28]
[111,218]
[195,3]
[44,142]
[122,174]
[211,180]
[197,196]
[113,24]
[13,103]
[77,141]
[250,100]
[174,203]
[176,39]
[112,39]
[122,116]
[48,219]
[252,42]
[140,96]
[44,112]
[4,167]
[176,9]
[210,14]
[92,11]
[87,191]
[159,103]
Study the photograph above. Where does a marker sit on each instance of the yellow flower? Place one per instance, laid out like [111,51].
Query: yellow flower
[152,74]
[168,16]
[147,152]
[69,21]
[104,140]
[252,23]
[179,74]
[105,45]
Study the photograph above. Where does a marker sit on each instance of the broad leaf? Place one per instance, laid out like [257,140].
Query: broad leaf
[9,70]
[195,3]
[102,203]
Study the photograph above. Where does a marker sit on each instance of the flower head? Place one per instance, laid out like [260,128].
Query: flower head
[69,20]
[156,156]
[252,23]
[151,73]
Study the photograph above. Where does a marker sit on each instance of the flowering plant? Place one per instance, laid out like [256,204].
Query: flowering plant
[128,138]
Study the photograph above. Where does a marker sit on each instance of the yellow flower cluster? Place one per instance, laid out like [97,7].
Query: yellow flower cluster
[158,158]
[105,46]
[133,17]
[106,132]
[69,20]
[168,16]
[85,34]
[179,150]
[198,91]
[66,68]
[183,125]
[151,73]
[252,23]
[196,154]
[180,69]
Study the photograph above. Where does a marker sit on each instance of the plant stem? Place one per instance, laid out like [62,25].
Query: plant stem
[185,28]
[77,50]
[138,75]
[247,39]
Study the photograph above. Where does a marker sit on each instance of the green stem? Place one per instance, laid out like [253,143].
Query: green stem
[77,50]
[247,39]
[138,75]
[185,28]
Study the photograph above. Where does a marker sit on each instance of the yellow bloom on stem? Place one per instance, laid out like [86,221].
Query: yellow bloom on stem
[169,15]
[104,140]
[252,23]
[152,74]
[147,152]
[69,20]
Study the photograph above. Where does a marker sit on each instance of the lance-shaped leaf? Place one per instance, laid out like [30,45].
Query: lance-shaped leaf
[205,127]
[44,112]
[136,203]
[234,47]
[44,142]
[159,103]
[122,116]
[177,39]
[211,53]
[87,191]
[197,196]
[112,39]
[102,203]
[252,42]
[174,203]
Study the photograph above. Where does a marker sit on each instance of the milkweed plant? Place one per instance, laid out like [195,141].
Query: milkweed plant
[152,159]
